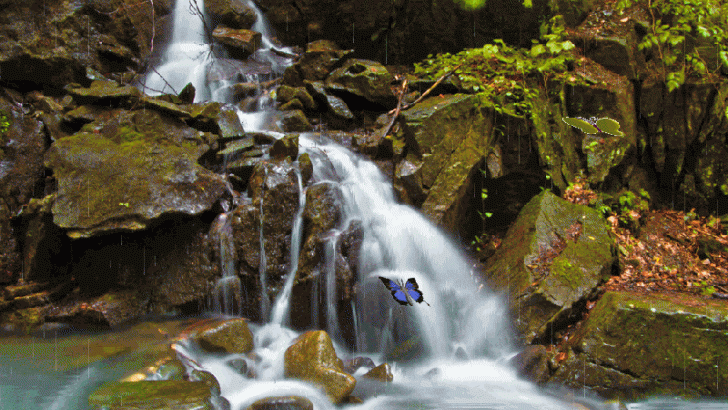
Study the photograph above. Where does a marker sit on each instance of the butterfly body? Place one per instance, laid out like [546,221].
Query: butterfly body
[594,125]
[404,293]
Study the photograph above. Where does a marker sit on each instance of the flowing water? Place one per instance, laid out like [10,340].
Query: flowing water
[452,354]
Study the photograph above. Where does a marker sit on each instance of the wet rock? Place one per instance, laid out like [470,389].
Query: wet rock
[285,94]
[312,358]
[285,147]
[240,43]
[636,344]
[45,251]
[447,134]
[294,121]
[533,362]
[364,78]
[121,172]
[304,162]
[231,336]
[102,91]
[555,254]
[237,146]
[107,311]
[383,373]
[409,173]
[152,395]
[282,403]
[276,185]
[335,105]
[236,13]
[155,103]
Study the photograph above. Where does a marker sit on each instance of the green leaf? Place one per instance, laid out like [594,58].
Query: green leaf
[537,50]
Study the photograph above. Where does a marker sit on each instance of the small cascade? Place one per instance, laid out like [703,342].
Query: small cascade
[227,294]
[332,324]
[400,243]
[283,301]
[264,301]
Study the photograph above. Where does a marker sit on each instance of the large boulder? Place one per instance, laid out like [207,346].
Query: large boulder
[555,254]
[363,78]
[232,13]
[239,42]
[153,395]
[312,358]
[451,136]
[127,168]
[633,345]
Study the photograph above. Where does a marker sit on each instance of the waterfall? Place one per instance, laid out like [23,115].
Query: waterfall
[264,302]
[228,289]
[400,243]
[461,339]
[186,59]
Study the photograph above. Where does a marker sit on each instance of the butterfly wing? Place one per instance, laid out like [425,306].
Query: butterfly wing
[413,290]
[609,126]
[397,292]
[581,124]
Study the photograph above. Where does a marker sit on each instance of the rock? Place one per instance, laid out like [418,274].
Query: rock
[285,94]
[382,373]
[230,336]
[304,162]
[409,173]
[363,78]
[447,134]
[237,146]
[532,362]
[22,143]
[554,254]
[103,91]
[239,43]
[312,358]
[122,172]
[234,13]
[335,105]
[103,312]
[636,344]
[276,185]
[294,121]
[154,103]
[282,403]
[153,395]
[285,147]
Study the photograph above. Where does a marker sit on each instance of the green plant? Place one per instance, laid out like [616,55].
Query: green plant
[679,30]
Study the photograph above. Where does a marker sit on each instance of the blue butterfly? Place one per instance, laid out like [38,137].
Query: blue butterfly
[410,293]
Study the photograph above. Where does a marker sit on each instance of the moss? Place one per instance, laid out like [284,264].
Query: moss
[4,121]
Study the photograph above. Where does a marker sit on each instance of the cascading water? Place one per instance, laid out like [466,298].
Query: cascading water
[187,57]
[463,338]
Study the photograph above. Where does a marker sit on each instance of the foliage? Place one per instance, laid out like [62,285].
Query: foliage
[498,67]
[676,28]
[478,4]
[4,122]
